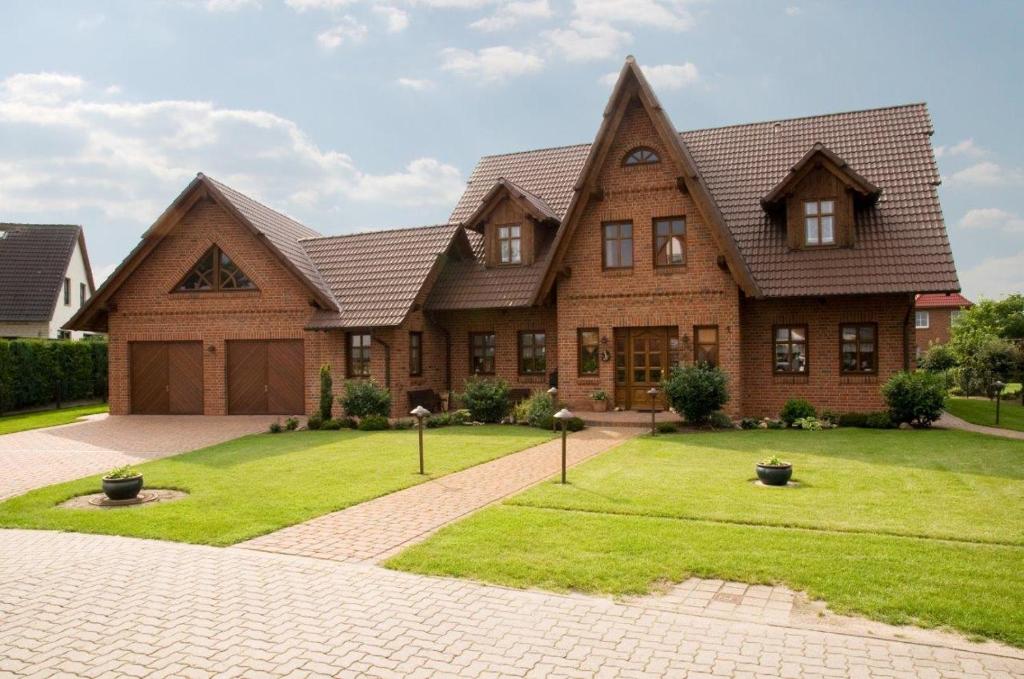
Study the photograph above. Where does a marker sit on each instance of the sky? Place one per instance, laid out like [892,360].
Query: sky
[353,115]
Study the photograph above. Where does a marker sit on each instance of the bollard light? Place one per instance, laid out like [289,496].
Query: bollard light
[419,412]
[998,386]
[653,393]
[553,393]
[563,415]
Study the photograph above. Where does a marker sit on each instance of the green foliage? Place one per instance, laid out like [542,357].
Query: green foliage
[750,423]
[536,411]
[438,421]
[599,395]
[365,398]
[990,360]
[696,391]
[374,423]
[331,425]
[276,428]
[125,472]
[326,392]
[291,424]
[403,424]
[315,422]
[486,399]
[794,409]
[879,420]
[38,372]
[829,416]
[719,420]
[808,424]
[773,461]
[775,424]
[938,359]
[575,424]
[915,397]
[999,318]
[667,428]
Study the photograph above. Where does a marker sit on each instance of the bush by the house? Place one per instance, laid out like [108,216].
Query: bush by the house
[326,392]
[794,409]
[938,359]
[374,423]
[575,424]
[331,425]
[291,424]
[403,424]
[667,428]
[916,398]
[720,420]
[314,422]
[276,428]
[536,411]
[486,400]
[39,372]
[829,416]
[750,423]
[365,398]
[808,424]
[696,391]
[438,420]
[879,420]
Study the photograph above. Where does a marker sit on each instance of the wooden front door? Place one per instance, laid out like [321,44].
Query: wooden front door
[265,377]
[643,357]
[166,378]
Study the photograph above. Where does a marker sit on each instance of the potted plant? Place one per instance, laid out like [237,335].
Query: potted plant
[123,483]
[773,471]
[600,399]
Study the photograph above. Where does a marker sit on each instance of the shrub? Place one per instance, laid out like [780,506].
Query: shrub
[719,420]
[750,423]
[794,409]
[347,422]
[374,423]
[882,420]
[916,397]
[460,416]
[808,424]
[326,392]
[331,425]
[439,420]
[830,416]
[773,461]
[599,395]
[938,359]
[276,428]
[536,411]
[852,420]
[314,422]
[775,424]
[291,424]
[403,424]
[696,391]
[487,400]
[365,398]
[667,428]
[39,372]
[575,424]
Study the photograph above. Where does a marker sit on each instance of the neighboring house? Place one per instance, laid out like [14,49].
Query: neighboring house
[934,315]
[45,279]
[787,252]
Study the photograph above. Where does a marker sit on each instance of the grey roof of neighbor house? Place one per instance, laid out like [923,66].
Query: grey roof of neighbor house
[33,262]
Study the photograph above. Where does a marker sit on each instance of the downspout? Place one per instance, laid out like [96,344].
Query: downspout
[906,335]
[387,362]
[447,357]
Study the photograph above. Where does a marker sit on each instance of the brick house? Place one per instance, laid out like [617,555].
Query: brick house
[787,252]
[933,318]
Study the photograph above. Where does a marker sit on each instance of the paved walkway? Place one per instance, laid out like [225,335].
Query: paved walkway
[99,606]
[951,421]
[40,457]
[375,530]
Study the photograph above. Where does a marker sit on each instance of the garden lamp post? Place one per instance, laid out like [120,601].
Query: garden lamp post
[653,393]
[419,412]
[553,393]
[564,415]
[998,386]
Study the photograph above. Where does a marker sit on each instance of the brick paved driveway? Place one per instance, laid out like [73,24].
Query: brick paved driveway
[92,606]
[40,457]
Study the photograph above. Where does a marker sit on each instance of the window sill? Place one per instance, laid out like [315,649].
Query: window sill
[791,378]
[619,271]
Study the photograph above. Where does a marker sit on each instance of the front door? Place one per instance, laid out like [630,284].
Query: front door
[643,357]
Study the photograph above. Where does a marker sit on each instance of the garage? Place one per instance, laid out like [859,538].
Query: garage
[166,378]
[265,377]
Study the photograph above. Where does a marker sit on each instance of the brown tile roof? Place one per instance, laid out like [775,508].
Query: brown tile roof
[376,276]
[942,301]
[33,262]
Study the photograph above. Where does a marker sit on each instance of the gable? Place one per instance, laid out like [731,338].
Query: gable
[34,260]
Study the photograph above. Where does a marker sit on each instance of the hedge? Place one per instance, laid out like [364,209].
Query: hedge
[32,372]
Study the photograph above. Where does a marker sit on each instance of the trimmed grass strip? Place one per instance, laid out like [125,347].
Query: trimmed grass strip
[10,424]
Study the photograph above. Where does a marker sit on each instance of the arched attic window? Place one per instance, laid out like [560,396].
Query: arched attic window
[642,155]
[214,271]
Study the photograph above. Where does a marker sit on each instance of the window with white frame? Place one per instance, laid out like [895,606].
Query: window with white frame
[921,320]
[819,222]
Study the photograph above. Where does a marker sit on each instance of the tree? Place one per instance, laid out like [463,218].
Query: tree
[326,392]
[697,391]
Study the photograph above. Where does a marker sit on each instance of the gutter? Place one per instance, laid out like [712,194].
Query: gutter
[387,361]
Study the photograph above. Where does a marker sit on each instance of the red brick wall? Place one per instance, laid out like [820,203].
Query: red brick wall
[764,392]
[940,325]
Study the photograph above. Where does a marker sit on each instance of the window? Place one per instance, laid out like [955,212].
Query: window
[588,350]
[81,294]
[641,156]
[358,358]
[921,320]
[618,245]
[532,353]
[67,292]
[819,218]
[857,350]
[509,244]
[213,272]
[481,353]
[64,334]
[670,241]
[705,344]
[953,315]
[791,349]
[415,353]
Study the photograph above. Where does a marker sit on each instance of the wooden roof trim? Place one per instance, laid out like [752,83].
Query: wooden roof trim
[819,154]
[505,188]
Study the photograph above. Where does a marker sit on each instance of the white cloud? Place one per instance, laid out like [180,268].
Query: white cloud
[994,277]
[425,181]
[451,4]
[306,5]
[588,41]
[347,30]
[417,84]
[397,19]
[490,64]
[987,173]
[664,76]
[511,13]
[992,218]
[230,5]
[42,88]
[670,15]
[967,148]
[793,11]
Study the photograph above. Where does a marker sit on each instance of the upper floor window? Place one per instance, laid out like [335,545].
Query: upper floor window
[510,244]
[641,156]
[481,353]
[213,272]
[358,354]
[922,320]
[954,315]
[67,292]
[81,294]
[415,353]
[791,349]
[532,353]
[670,241]
[705,344]
[617,245]
[858,353]
[588,350]
[819,222]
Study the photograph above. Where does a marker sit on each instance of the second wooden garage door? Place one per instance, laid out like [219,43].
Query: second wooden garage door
[265,377]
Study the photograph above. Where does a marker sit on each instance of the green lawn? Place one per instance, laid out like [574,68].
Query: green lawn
[907,527]
[257,484]
[47,418]
[983,411]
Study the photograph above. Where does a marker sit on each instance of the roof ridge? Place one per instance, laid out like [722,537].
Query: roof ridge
[70,226]
[547,148]
[807,117]
[373,232]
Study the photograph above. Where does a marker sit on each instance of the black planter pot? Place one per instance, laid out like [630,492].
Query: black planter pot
[774,475]
[122,489]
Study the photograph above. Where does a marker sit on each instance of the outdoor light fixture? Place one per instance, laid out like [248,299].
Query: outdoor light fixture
[419,412]
[564,415]
[998,386]
[553,393]
[653,393]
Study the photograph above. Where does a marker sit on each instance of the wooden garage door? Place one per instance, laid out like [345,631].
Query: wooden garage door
[166,378]
[265,377]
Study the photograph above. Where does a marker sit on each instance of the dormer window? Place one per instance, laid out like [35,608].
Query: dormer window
[641,156]
[819,222]
[510,244]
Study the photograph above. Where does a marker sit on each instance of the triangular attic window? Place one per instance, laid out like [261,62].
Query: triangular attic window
[215,271]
